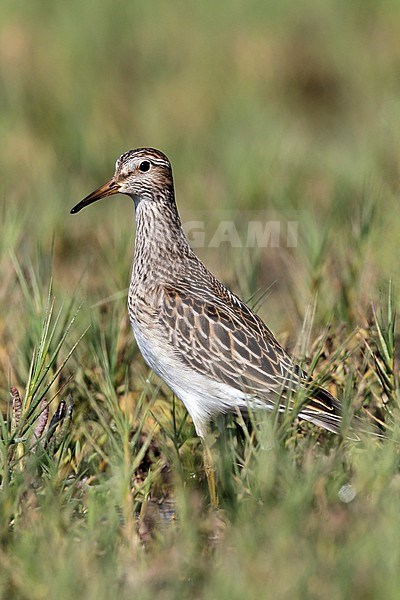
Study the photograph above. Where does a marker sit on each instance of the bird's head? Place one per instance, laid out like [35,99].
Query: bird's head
[141,173]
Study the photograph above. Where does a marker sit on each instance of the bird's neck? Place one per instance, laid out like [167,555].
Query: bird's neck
[160,239]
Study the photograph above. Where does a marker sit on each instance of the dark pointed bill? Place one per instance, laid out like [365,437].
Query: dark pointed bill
[108,189]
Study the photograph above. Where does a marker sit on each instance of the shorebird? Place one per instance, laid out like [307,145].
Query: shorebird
[210,348]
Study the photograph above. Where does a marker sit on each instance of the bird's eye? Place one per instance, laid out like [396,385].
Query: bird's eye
[144,166]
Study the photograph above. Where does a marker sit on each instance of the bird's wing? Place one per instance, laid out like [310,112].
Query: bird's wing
[229,343]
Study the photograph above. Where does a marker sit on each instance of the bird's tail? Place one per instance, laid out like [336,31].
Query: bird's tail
[324,410]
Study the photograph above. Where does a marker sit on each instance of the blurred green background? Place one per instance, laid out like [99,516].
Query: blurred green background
[288,108]
[280,106]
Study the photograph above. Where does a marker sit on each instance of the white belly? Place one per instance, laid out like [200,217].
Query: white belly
[203,397]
